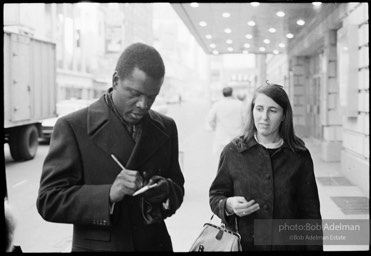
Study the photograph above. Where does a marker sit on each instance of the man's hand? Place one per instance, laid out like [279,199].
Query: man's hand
[126,183]
[159,193]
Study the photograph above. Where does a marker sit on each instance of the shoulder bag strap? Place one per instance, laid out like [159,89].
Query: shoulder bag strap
[235,221]
[235,224]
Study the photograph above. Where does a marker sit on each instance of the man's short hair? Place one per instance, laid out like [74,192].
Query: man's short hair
[227,91]
[144,57]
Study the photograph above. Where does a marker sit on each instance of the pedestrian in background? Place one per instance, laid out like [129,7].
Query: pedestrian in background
[100,155]
[266,173]
[225,118]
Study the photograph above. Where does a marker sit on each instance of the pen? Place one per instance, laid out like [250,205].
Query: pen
[145,188]
[141,190]
[118,162]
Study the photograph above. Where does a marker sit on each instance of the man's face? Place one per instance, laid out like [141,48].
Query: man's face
[134,95]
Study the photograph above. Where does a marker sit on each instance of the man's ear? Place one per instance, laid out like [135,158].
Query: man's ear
[115,79]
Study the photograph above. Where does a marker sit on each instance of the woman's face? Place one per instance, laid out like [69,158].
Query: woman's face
[268,116]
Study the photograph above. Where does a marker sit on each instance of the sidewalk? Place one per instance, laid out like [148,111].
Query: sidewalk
[200,166]
[339,198]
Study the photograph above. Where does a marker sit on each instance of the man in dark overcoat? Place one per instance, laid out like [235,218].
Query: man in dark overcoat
[100,155]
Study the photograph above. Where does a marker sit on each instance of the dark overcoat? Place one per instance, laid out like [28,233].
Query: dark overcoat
[283,185]
[79,171]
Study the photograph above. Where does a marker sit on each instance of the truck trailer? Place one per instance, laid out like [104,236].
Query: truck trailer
[30,91]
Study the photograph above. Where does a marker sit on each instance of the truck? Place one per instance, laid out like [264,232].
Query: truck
[30,91]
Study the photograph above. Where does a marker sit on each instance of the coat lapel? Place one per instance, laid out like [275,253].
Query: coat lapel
[152,138]
[107,132]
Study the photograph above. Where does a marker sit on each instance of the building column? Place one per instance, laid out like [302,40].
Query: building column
[296,92]
[261,66]
[330,108]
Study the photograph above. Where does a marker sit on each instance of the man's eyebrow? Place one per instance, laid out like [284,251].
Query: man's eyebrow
[132,89]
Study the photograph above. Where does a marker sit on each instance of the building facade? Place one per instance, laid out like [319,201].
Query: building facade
[90,37]
[326,72]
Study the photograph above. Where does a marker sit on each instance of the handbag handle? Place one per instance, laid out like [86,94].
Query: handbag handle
[235,222]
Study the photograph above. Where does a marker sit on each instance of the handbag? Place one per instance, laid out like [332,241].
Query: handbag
[217,238]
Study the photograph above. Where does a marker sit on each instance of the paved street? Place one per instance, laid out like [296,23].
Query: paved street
[199,168]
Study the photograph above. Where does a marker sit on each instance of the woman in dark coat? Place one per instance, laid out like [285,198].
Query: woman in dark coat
[267,174]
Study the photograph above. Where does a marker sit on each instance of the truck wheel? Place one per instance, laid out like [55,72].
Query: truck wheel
[23,143]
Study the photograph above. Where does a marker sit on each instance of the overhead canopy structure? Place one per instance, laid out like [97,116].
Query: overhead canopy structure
[222,28]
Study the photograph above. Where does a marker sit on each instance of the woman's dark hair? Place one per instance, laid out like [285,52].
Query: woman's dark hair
[143,57]
[286,130]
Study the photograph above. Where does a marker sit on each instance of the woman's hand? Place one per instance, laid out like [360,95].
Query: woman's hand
[240,206]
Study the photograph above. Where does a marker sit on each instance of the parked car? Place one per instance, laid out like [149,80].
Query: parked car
[63,108]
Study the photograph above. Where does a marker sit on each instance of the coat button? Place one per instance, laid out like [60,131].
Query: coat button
[265,207]
[267,176]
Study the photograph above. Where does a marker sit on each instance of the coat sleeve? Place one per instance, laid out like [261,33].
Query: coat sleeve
[221,188]
[62,196]
[308,198]
[175,177]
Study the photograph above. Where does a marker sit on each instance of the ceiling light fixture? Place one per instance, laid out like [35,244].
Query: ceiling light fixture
[194,5]
[316,4]
[230,49]
[248,36]
[208,36]
[272,30]
[245,51]
[202,24]
[227,30]
[280,14]
[266,41]
[212,45]
[289,35]
[300,22]
[246,45]
[229,41]
[276,52]
[255,4]
[251,23]
[282,45]
[215,52]
[262,49]
[226,14]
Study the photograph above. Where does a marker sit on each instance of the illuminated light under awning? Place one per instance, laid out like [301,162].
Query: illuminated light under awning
[251,23]
[300,22]
[280,14]
[203,23]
